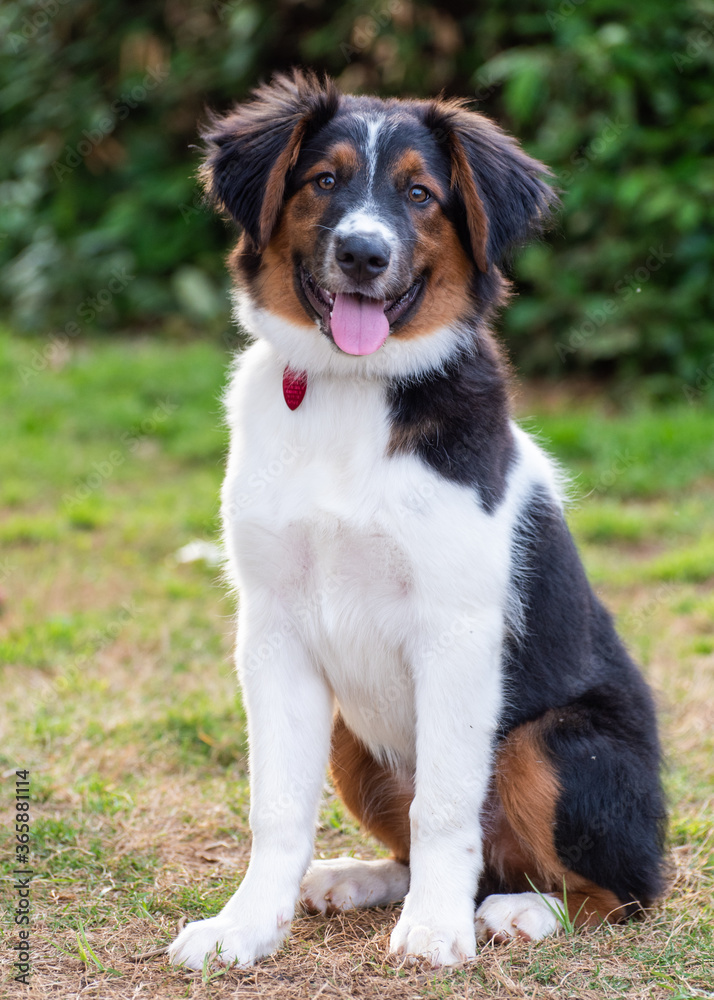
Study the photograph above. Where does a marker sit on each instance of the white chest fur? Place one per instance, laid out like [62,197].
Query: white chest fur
[376,563]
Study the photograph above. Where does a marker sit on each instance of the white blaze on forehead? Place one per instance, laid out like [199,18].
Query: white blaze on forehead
[373,127]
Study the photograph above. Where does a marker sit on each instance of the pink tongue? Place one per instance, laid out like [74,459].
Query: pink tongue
[358,324]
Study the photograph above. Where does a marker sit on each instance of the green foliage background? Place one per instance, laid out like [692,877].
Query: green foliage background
[102,225]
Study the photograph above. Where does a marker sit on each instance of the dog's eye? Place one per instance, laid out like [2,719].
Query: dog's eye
[419,194]
[326,181]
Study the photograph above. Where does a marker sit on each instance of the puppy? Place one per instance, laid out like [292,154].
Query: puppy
[412,607]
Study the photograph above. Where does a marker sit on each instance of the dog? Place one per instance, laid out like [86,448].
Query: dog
[413,611]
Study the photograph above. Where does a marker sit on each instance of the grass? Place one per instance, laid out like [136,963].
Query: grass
[560,910]
[119,695]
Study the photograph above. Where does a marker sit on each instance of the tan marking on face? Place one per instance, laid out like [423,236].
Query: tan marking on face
[438,250]
[411,169]
[274,287]
[342,158]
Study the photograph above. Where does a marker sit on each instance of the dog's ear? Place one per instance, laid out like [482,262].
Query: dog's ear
[504,191]
[250,150]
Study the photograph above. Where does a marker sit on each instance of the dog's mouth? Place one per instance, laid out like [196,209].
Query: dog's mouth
[357,323]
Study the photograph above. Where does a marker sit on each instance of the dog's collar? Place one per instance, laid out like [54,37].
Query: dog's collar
[294,386]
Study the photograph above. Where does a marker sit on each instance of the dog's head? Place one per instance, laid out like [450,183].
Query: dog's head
[367,221]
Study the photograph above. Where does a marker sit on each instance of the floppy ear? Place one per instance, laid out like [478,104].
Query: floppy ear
[503,189]
[250,151]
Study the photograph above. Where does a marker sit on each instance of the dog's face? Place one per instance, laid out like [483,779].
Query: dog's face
[366,233]
[365,219]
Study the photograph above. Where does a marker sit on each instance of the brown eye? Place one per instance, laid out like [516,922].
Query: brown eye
[419,194]
[326,181]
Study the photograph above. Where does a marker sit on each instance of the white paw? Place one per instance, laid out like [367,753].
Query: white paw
[524,914]
[347,883]
[226,942]
[439,942]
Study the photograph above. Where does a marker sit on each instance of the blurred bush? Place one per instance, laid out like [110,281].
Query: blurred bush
[102,225]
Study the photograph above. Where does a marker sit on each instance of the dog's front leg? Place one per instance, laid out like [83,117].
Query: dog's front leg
[289,709]
[458,696]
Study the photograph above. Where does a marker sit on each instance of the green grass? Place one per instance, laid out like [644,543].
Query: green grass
[560,909]
[119,692]
[644,454]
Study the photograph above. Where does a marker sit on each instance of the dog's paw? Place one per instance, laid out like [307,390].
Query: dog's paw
[226,942]
[347,883]
[440,943]
[525,915]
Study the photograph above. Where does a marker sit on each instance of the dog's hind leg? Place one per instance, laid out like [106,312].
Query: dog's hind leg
[575,813]
[379,798]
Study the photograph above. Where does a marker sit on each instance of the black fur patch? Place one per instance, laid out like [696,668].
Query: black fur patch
[603,739]
[611,815]
[457,422]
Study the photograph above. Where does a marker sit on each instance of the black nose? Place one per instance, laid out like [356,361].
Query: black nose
[362,257]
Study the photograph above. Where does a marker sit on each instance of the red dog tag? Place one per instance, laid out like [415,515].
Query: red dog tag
[294,386]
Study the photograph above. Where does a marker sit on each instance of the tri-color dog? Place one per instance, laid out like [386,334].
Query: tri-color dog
[412,607]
